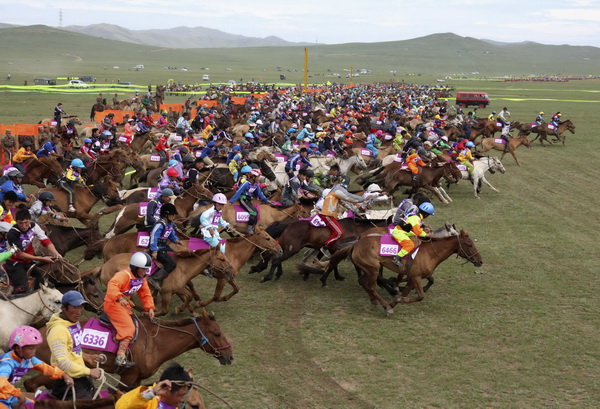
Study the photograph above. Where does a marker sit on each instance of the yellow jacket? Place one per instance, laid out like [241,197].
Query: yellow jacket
[60,342]
[465,155]
[134,400]
[22,155]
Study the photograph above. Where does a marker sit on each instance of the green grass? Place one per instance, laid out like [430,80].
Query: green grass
[521,334]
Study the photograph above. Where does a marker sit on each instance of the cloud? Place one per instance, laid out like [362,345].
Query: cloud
[587,14]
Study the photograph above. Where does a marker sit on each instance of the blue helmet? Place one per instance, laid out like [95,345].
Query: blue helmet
[313,146]
[246,169]
[470,144]
[87,140]
[249,135]
[172,162]
[77,163]
[427,207]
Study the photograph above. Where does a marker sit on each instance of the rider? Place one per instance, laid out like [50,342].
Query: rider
[16,363]
[71,176]
[14,183]
[211,219]
[504,115]
[492,117]
[64,340]
[465,157]
[414,227]
[22,155]
[238,163]
[437,125]
[161,147]
[117,305]
[296,161]
[42,206]
[154,206]
[539,119]
[58,113]
[408,207]
[49,148]
[169,393]
[245,193]
[555,121]
[7,203]
[163,230]
[86,150]
[333,207]
[330,178]
[207,152]
[372,142]
[414,163]
[21,236]
[289,196]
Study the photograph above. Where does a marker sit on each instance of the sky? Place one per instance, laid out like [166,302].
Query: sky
[574,22]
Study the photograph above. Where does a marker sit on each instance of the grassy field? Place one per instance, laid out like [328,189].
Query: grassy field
[522,332]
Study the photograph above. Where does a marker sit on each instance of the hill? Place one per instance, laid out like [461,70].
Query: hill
[178,37]
[437,55]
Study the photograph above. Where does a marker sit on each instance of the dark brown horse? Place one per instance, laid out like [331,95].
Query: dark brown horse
[365,256]
[158,341]
[37,170]
[513,143]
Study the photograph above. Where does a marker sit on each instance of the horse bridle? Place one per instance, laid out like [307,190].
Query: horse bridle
[469,258]
[203,340]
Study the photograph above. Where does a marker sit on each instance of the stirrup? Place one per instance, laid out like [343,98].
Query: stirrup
[154,283]
[398,261]
[122,363]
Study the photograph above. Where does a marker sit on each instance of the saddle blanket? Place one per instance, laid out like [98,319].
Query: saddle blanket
[154,158]
[551,126]
[280,158]
[388,137]
[242,216]
[45,395]
[199,244]
[389,247]
[143,209]
[315,221]
[462,167]
[365,152]
[398,158]
[500,141]
[99,336]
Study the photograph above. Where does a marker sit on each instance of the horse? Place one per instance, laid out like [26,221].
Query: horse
[67,238]
[64,120]
[112,165]
[480,166]
[129,215]
[86,197]
[323,163]
[18,310]
[364,254]
[513,143]
[189,265]
[102,403]
[37,170]
[543,131]
[158,341]
[268,214]
[302,233]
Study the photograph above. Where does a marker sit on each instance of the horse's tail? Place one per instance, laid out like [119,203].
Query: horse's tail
[94,249]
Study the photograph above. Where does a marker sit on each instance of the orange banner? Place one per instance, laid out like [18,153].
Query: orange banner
[239,100]
[119,115]
[174,107]
[26,129]
[208,102]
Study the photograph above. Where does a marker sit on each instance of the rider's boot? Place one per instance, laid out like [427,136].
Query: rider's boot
[155,279]
[326,252]
[415,180]
[121,359]
[250,229]
[208,273]
[400,262]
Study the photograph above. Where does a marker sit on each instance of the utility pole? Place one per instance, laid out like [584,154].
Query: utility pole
[60,18]
[305,67]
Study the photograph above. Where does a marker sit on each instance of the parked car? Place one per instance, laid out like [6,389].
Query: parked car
[87,78]
[78,84]
[205,77]
[480,99]
[44,81]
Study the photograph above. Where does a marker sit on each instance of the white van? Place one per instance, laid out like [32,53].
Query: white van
[205,77]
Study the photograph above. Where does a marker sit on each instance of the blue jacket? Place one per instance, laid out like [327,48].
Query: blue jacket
[249,190]
[155,236]
[45,150]
[294,160]
[10,185]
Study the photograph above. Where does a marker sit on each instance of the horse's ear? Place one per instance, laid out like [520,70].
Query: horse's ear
[205,315]
[190,372]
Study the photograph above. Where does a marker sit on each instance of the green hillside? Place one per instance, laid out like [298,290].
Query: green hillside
[43,51]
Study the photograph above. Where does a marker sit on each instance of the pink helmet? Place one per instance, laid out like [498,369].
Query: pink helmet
[23,336]
[219,198]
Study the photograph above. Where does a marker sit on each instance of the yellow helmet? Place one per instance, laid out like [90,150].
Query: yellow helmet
[541,113]
[437,117]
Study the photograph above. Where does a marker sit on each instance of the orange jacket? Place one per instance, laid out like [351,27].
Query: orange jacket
[119,284]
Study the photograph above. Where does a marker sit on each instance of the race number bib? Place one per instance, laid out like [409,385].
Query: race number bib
[365,152]
[242,217]
[94,339]
[198,153]
[154,158]
[388,249]
[152,192]
[178,138]
[143,209]
[280,158]
[143,239]
[123,139]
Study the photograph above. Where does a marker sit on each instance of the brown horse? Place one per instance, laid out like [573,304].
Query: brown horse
[67,238]
[543,131]
[189,265]
[85,198]
[129,216]
[112,165]
[364,254]
[513,143]
[37,170]
[268,215]
[158,341]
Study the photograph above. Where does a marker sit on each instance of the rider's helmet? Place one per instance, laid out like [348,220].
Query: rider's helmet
[219,198]
[373,187]
[172,162]
[427,207]
[140,259]
[255,172]
[259,122]
[23,336]
[27,143]
[541,113]
[249,135]
[308,126]
[45,196]
[309,173]
[14,174]
[188,159]
[167,209]
[5,227]
[246,169]
[294,126]
[172,172]
[245,152]
[77,163]
[493,112]
[87,140]
[470,144]
[183,150]
[438,117]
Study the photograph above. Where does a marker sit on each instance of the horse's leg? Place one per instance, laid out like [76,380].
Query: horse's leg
[484,180]
[418,285]
[236,288]
[218,290]
[430,282]
[368,281]
[166,301]
[512,152]
[262,264]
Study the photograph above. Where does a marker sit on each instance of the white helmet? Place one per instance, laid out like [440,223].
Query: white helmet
[5,227]
[294,125]
[308,126]
[374,187]
[141,260]
[219,198]
[259,122]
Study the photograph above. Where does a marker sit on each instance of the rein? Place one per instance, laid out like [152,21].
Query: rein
[38,314]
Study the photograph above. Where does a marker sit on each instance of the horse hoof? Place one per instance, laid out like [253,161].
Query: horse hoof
[341,278]
[389,312]
[265,279]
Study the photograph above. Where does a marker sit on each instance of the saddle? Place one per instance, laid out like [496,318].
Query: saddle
[99,334]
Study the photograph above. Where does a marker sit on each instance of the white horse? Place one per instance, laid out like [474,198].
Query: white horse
[323,163]
[23,310]
[481,166]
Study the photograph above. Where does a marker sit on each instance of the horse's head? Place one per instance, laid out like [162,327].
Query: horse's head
[526,142]
[267,170]
[359,161]
[75,119]
[265,242]
[216,342]
[468,250]
[496,165]
[451,172]
[52,300]
[92,293]
[570,126]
